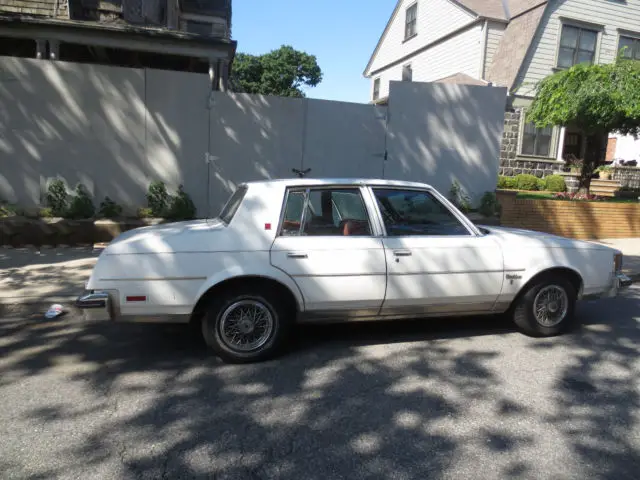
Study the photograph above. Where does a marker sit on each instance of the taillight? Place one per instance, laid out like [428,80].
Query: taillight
[617,262]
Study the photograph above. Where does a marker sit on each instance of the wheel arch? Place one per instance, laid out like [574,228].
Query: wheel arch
[572,275]
[252,280]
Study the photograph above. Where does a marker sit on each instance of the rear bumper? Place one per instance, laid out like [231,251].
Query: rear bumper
[102,305]
[95,305]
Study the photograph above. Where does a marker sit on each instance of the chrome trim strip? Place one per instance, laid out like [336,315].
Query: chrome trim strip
[151,279]
[450,272]
[308,275]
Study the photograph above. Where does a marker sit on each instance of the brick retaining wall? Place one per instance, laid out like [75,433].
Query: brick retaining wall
[573,219]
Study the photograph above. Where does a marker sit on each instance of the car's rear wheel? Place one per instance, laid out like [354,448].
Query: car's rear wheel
[245,326]
[547,307]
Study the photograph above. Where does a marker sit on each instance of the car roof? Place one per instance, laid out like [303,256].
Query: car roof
[302,182]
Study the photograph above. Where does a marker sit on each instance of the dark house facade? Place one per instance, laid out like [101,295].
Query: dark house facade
[184,35]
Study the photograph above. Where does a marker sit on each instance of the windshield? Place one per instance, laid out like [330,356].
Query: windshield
[232,205]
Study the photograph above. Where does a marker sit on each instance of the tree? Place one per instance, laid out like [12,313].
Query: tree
[280,72]
[597,99]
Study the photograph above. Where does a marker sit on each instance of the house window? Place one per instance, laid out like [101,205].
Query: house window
[536,141]
[376,89]
[410,21]
[633,47]
[577,45]
[407,73]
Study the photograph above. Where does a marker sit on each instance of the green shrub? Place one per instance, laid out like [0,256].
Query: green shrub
[81,204]
[459,198]
[524,181]
[182,207]
[511,183]
[542,185]
[158,199]
[489,205]
[45,212]
[110,209]
[555,183]
[502,181]
[57,198]
[144,212]
[8,209]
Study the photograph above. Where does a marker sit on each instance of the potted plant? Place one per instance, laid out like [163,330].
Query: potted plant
[604,172]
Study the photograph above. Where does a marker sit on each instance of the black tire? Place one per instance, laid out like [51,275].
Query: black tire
[212,325]
[523,309]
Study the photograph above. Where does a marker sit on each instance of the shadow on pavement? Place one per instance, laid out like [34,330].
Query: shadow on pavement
[396,400]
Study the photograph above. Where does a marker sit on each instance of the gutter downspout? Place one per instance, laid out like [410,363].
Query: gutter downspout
[483,48]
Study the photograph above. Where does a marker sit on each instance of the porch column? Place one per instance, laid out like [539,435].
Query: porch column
[214,74]
[54,49]
[41,49]
[563,131]
[224,75]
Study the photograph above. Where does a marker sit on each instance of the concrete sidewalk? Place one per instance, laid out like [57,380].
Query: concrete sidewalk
[32,280]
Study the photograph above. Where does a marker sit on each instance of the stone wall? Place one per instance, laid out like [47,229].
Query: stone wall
[509,145]
[627,176]
[510,164]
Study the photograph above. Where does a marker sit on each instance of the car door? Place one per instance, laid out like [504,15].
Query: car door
[327,243]
[437,264]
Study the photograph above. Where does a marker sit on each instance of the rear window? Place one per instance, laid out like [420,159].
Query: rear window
[232,205]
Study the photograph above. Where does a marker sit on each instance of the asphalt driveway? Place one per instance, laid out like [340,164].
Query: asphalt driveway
[411,400]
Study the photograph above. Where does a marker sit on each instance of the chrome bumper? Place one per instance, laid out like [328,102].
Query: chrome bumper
[95,305]
[619,282]
[623,281]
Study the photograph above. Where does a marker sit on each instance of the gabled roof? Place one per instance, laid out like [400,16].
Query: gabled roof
[513,48]
[461,79]
[498,9]
[502,10]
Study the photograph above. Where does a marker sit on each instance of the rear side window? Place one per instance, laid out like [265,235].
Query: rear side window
[325,212]
[232,205]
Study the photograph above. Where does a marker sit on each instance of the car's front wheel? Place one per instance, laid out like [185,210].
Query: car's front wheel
[243,327]
[547,307]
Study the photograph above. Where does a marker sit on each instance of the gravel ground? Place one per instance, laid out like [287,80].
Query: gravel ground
[408,400]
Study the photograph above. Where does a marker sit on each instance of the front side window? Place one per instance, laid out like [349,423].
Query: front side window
[416,212]
[326,212]
[232,205]
[577,45]
[536,141]
[411,20]
[376,89]
[631,47]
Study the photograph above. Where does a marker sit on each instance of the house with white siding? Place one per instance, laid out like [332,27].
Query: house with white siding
[509,43]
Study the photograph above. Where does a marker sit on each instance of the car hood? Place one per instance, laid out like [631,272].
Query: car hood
[529,238]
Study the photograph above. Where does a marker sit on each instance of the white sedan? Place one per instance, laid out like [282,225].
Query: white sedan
[285,252]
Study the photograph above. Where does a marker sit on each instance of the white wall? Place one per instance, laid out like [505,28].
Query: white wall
[117,129]
[439,133]
[495,31]
[610,14]
[460,53]
[627,147]
[436,18]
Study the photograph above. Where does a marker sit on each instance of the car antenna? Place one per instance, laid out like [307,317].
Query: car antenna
[300,173]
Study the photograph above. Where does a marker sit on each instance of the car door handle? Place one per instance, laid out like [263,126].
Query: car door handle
[296,255]
[402,253]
